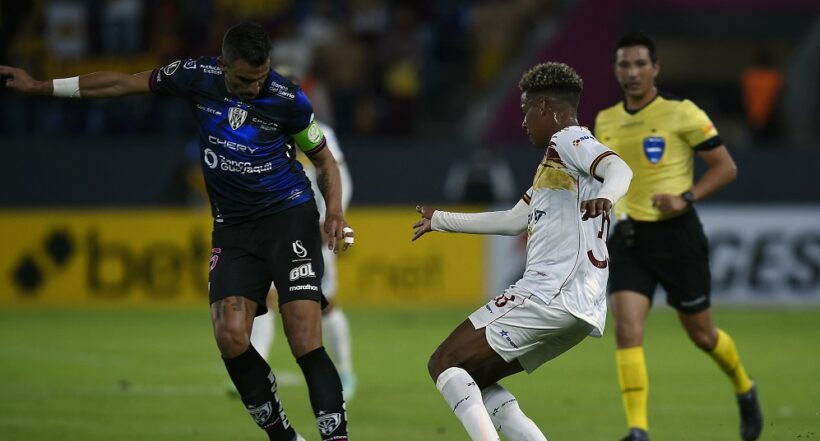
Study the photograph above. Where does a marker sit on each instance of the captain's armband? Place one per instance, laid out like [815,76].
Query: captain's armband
[311,140]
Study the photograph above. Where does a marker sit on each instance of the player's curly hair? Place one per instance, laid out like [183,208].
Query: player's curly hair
[557,80]
[246,41]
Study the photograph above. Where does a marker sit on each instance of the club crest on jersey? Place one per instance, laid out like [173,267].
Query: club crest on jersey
[236,117]
[653,148]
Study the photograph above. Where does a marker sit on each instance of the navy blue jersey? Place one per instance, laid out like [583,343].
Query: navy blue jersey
[249,172]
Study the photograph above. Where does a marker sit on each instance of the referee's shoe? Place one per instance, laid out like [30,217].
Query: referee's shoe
[751,418]
[636,434]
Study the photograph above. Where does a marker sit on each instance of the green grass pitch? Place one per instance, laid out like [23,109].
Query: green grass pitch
[155,374]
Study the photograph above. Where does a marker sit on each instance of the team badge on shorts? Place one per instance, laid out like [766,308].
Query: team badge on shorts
[236,117]
[653,148]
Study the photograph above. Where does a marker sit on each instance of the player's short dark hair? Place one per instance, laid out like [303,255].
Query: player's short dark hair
[556,80]
[246,41]
[637,39]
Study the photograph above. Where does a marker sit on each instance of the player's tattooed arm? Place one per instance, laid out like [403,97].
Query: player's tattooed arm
[94,85]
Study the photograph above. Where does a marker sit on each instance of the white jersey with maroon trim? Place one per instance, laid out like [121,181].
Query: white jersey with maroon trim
[567,259]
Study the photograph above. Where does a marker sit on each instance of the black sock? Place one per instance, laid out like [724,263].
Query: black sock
[257,388]
[325,391]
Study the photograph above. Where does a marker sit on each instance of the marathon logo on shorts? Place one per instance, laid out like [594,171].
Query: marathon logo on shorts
[653,148]
[304,288]
[236,117]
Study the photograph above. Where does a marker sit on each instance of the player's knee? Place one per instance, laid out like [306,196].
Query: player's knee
[704,340]
[628,333]
[440,361]
[232,339]
[301,341]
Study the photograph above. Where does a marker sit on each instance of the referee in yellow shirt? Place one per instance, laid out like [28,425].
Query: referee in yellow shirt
[661,240]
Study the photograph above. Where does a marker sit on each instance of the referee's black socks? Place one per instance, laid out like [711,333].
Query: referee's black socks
[256,385]
[325,391]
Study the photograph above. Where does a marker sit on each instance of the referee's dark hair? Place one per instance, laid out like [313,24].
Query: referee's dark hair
[246,41]
[637,39]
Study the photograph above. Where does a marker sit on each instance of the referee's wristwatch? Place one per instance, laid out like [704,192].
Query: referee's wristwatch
[689,197]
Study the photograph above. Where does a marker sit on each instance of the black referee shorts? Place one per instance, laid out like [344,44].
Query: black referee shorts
[283,248]
[673,253]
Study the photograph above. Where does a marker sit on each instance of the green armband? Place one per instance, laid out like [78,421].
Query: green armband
[310,139]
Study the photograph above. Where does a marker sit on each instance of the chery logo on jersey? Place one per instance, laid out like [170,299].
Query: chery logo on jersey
[232,145]
[236,117]
[299,249]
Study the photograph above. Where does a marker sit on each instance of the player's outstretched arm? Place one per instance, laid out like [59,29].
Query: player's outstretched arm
[510,222]
[616,175]
[94,85]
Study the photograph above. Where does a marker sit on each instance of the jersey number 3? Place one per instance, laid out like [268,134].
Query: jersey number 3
[604,226]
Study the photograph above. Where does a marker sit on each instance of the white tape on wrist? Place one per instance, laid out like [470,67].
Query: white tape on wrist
[66,87]
[349,240]
[346,230]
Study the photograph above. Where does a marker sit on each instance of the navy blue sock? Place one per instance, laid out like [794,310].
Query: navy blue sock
[256,385]
[325,391]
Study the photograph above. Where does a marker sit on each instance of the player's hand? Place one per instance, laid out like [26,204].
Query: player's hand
[338,232]
[595,207]
[18,79]
[669,203]
[424,225]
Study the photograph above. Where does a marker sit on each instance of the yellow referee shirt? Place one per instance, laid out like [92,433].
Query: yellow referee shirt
[658,142]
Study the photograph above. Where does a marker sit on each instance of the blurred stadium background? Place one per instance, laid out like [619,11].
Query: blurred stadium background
[104,330]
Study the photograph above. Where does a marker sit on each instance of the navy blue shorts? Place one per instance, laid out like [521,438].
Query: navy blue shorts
[283,248]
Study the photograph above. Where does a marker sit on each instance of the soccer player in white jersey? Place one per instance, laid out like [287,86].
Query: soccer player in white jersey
[561,297]
[335,326]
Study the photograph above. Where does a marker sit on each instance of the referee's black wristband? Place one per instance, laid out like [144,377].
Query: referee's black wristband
[689,197]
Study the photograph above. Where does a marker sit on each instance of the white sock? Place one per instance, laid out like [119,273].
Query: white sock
[508,417]
[460,391]
[337,339]
[262,334]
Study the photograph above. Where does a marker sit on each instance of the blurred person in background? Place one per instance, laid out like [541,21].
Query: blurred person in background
[561,297]
[760,85]
[661,240]
[335,326]
[266,224]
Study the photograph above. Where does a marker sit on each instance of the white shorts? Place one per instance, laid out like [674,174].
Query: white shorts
[329,282]
[521,326]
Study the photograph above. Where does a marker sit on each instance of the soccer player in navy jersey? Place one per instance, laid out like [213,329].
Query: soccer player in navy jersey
[266,224]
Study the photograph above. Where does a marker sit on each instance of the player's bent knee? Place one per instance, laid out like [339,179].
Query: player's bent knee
[231,340]
[440,361]
[703,340]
